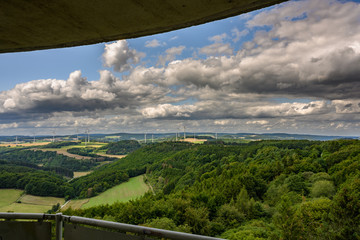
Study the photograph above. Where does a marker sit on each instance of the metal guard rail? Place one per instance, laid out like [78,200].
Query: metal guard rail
[147,231]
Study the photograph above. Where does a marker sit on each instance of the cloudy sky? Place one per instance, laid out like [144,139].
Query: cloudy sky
[293,68]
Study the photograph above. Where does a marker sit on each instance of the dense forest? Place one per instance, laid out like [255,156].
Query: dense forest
[260,190]
[295,189]
[47,159]
[122,147]
[33,180]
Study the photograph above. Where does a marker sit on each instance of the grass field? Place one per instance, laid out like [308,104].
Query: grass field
[134,188]
[194,140]
[8,196]
[24,144]
[29,203]
[75,204]
[81,174]
[109,155]
[36,200]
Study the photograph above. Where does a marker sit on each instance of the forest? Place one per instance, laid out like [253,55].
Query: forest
[288,189]
[122,147]
[260,190]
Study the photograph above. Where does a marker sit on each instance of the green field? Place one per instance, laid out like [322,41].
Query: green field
[134,188]
[10,202]
[8,196]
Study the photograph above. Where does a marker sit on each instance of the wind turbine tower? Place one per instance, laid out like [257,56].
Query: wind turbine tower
[145,137]
[184,133]
[53,140]
[34,136]
[88,135]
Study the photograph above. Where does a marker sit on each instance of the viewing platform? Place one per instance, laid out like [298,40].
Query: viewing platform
[77,228]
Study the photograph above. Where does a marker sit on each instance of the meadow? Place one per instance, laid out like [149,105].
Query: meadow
[12,200]
[124,192]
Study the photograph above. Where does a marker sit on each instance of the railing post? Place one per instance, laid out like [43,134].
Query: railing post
[59,224]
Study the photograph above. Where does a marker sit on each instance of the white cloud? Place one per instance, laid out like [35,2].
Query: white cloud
[258,122]
[237,34]
[218,38]
[174,38]
[217,49]
[119,56]
[168,111]
[170,54]
[154,43]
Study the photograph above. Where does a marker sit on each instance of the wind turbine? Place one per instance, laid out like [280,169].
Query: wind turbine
[86,136]
[34,132]
[53,140]
[184,133]
[145,137]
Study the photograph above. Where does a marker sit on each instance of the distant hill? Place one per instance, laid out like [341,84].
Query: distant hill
[155,137]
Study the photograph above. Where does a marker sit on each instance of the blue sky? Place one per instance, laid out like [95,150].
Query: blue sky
[279,69]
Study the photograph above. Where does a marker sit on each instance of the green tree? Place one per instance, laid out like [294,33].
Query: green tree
[323,188]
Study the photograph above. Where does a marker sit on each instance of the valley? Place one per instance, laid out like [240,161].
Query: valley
[268,189]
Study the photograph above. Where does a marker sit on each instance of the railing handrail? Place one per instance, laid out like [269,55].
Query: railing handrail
[105,224]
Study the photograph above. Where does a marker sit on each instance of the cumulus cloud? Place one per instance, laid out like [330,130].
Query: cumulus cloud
[300,56]
[42,98]
[168,111]
[119,56]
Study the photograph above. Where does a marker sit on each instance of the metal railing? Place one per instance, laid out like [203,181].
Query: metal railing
[60,221]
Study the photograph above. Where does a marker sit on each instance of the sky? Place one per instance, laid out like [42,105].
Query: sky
[289,68]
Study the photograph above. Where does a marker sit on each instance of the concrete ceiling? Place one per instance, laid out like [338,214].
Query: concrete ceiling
[27,25]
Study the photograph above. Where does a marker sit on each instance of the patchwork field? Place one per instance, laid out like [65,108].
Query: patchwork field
[28,144]
[134,188]
[12,201]
[63,150]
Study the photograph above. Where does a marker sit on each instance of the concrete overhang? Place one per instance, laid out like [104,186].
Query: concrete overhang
[27,25]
